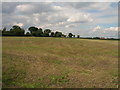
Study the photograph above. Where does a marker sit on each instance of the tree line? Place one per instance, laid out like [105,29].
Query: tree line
[34,31]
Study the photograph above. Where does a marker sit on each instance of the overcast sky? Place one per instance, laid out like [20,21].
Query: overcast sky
[80,18]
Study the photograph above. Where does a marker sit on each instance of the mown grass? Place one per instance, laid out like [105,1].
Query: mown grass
[39,62]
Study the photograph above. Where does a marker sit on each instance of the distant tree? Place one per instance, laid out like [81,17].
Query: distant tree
[63,35]
[16,31]
[58,34]
[78,36]
[70,35]
[74,36]
[4,30]
[6,33]
[47,32]
[52,34]
[28,34]
[39,32]
[96,38]
[33,30]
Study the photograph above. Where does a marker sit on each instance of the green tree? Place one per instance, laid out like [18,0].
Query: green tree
[70,35]
[74,36]
[63,35]
[47,32]
[16,31]
[4,30]
[28,34]
[33,30]
[52,34]
[39,32]
[58,34]
[78,36]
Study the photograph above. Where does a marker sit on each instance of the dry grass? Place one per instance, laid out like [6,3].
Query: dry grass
[59,63]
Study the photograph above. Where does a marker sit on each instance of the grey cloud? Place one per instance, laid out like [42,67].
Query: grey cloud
[76,5]
[9,7]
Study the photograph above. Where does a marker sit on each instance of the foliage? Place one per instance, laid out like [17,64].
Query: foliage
[14,31]
[47,32]
[78,36]
[52,34]
[28,34]
[34,31]
[58,34]
[70,35]
[74,36]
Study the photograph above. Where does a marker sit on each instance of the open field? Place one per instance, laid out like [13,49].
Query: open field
[35,62]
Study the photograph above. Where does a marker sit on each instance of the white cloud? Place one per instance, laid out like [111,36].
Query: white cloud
[70,25]
[58,8]
[112,29]
[24,7]
[96,28]
[53,25]
[19,24]
[100,6]
[104,32]
[77,16]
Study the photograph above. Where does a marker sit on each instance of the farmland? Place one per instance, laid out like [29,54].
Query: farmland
[41,62]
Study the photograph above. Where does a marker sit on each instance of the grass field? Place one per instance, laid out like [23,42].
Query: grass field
[35,62]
